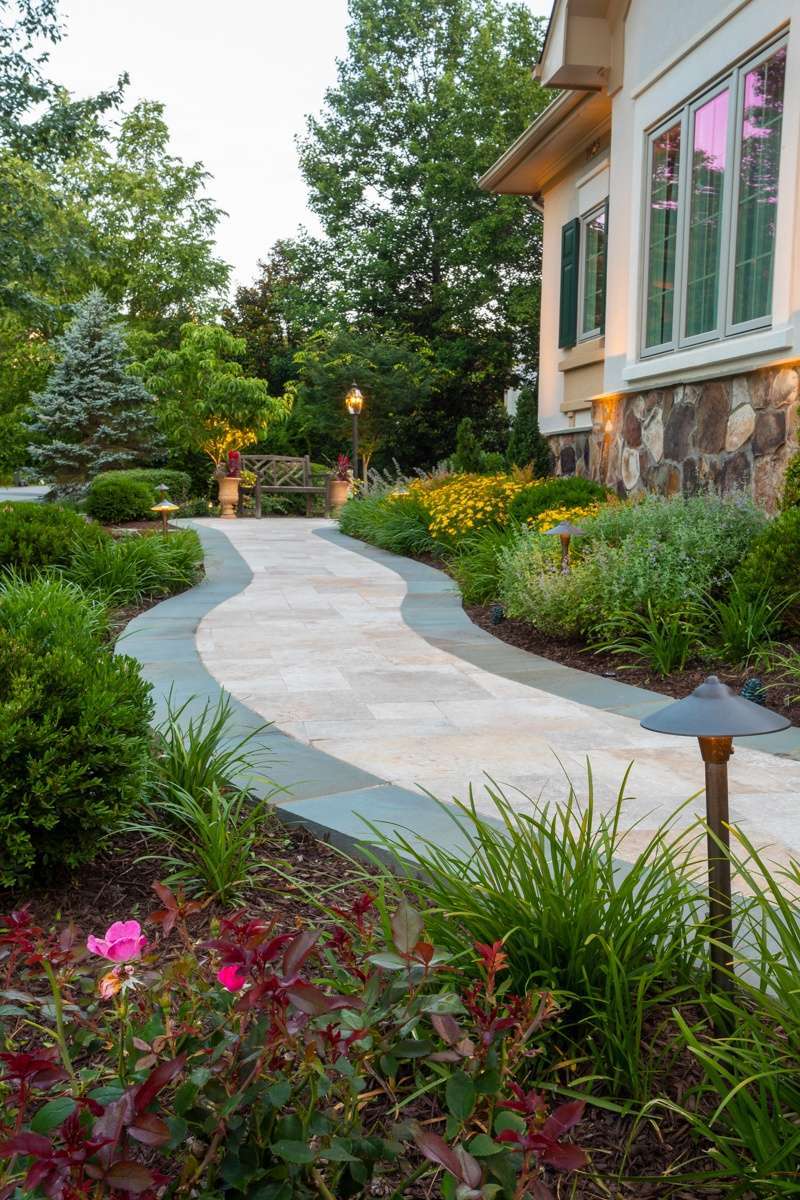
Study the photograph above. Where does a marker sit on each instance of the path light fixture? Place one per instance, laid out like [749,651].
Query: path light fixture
[714,714]
[354,402]
[565,530]
[166,508]
[162,490]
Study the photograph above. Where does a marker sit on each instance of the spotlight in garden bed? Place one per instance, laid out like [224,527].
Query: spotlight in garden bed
[166,508]
[714,714]
[565,530]
[354,402]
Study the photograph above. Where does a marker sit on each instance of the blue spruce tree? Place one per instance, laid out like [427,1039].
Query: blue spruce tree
[93,416]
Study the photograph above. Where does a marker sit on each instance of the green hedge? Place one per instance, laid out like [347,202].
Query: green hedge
[774,561]
[178,482]
[113,499]
[43,535]
[74,751]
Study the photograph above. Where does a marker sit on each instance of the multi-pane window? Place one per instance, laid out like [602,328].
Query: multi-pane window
[593,274]
[712,204]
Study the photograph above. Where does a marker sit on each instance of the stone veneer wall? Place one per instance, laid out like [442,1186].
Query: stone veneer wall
[723,436]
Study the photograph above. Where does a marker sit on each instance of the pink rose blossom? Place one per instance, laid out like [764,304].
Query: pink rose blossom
[124,941]
[232,977]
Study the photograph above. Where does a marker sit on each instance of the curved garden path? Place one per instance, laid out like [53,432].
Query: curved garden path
[369,659]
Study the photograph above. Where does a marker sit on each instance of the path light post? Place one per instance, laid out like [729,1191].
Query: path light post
[715,715]
[354,402]
[565,530]
[165,507]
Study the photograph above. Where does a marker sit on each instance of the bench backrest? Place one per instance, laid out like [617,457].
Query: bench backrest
[278,470]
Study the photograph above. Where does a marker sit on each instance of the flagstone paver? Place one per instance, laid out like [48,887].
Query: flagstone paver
[384,675]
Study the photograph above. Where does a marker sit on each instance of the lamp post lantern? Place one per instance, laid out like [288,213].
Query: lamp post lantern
[354,402]
[714,714]
[566,531]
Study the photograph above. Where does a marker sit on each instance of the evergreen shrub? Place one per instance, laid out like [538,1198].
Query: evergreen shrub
[75,748]
[773,562]
[567,491]
[791,484]
[42,535]
[178,482]
[113,498]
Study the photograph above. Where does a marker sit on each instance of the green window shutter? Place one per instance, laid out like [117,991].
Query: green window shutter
[605,276]
[568,305]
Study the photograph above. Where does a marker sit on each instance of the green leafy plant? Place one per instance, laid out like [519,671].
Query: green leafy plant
[663,642]
[114,497]
[394,522]
[75,748]
[772,561]
[196,754]
[475,562]
[43,535]
[179,483]
[619,945]
[786,661]
[209,838]
[138,567]
[532,587]
[569,491]
[790,497]
[743,623]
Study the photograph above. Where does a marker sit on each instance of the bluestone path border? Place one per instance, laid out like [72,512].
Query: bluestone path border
[432,608]
[323,793]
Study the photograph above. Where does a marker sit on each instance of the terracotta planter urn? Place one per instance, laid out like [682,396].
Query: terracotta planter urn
[338,492]
[228,496]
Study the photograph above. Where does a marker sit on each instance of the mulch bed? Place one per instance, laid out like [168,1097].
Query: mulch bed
[619,666]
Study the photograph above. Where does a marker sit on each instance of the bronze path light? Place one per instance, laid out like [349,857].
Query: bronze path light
[565,530]
[165,507]
[715,715]
[354,402]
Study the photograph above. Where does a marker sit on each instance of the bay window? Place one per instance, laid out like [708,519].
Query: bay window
[711,208]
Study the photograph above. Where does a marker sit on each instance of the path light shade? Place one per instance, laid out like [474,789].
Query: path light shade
[354,402]
[166,508]
[565,530]
[162,490]
[714,714]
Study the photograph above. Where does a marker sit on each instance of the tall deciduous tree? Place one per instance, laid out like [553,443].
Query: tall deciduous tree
[205,400]
[93,415]
[152,224]
[429,93]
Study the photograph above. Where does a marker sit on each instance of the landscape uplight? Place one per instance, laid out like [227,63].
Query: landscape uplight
[566,531]
[714,714]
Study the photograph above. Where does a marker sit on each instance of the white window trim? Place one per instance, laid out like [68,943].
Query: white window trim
[684,115]
[585,218]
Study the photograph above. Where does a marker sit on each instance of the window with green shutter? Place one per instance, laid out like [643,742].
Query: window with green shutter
[568,304]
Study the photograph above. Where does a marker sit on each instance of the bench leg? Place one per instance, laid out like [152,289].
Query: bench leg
[309,505]
[258,496]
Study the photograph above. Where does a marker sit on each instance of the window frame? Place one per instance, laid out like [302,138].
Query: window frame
[585,218]
[685,116]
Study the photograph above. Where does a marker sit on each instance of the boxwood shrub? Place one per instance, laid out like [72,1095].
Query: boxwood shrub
[178,482]
[774,560]
[42,535]
[569,491]
[113,498]
[75,746]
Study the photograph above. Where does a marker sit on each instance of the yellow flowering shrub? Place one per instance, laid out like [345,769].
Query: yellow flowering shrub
[552,516]
[461,503]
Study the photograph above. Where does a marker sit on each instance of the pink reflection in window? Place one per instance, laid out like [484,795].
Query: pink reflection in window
[711,132]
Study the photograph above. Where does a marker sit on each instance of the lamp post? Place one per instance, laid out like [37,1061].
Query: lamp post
[565,530]
[354,402]
[714,714]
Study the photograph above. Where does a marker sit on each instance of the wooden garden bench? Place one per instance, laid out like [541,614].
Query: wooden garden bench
[281,475]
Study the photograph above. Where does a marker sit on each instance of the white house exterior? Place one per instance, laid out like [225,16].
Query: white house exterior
[667,171]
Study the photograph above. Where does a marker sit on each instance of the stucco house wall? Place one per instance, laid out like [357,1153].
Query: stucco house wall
[720,415]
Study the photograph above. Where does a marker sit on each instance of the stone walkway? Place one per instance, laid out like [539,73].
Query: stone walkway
[383,673]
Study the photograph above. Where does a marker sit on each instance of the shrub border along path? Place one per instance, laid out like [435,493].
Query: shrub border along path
[327,794]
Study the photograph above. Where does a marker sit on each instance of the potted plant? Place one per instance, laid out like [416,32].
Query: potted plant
[340,483]
[227,475]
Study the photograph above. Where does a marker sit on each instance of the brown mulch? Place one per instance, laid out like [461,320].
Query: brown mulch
[619,666]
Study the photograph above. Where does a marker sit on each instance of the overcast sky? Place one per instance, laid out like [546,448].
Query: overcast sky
[237,78]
